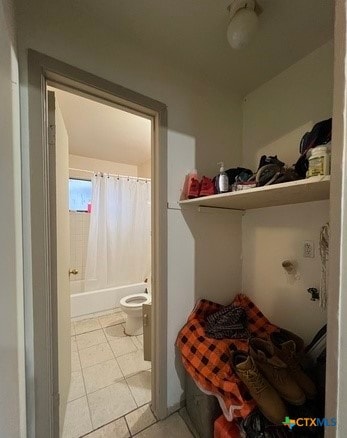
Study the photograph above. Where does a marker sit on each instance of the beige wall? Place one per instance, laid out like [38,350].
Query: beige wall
[94,165]
[144,169]
[276,116]
[204,127]
[12,383]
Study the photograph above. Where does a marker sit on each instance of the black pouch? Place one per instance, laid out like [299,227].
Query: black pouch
[241,173]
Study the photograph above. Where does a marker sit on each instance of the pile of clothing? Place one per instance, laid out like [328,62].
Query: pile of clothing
[207,359]
[234,353]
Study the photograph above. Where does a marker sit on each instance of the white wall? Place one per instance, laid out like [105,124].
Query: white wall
[270,236]
[276,115]
[204,127]
[12,384]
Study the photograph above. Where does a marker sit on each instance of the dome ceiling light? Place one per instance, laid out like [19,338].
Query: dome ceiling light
[243,22]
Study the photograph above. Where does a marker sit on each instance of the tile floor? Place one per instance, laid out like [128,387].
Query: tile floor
[110,387]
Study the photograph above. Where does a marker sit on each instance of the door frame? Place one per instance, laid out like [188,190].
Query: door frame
[43,384]
[336,363]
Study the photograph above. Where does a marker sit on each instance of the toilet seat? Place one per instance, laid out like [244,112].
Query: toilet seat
[135,300]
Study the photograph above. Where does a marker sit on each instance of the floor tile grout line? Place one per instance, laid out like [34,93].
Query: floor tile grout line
[89,331]
[107,386]
[108,342]
[118,418]
[94,315]
[107,424]
[159,421]
[100,328]
[151,408]
[121,371]
[93,330]
[125,354]
[85,391]
[145,428]
[130,434]
[104,361]
[86,394]
[117,381]
[115,357]
[131,393]
[134,343]
[90,345]
[104,425]
[103,341]
[124,377]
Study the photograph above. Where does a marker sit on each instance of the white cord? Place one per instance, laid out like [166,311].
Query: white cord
[324,254]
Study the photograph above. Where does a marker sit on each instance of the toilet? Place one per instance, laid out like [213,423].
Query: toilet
[132,306]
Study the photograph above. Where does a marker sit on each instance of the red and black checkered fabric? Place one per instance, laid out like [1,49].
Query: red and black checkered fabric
[207,360]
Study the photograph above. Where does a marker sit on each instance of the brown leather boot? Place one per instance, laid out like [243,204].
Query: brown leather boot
[266,397]
[289,348]
[276,371]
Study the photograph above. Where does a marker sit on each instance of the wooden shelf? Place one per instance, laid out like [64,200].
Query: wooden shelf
[315,188]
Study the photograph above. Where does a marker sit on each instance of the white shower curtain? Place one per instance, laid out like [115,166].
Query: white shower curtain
[119,244]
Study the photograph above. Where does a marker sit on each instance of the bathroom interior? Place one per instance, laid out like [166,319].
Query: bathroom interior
[110,263]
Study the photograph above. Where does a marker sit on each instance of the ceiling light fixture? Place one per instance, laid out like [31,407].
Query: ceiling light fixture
[243,22]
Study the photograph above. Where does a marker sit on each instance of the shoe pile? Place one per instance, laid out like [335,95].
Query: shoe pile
[271,372]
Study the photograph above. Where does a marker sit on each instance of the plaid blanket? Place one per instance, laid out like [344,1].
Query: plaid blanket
[225,429]
[207,359]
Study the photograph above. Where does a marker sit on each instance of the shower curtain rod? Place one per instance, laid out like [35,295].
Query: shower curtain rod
[111,174]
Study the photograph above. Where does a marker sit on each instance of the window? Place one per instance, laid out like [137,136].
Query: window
[80,195]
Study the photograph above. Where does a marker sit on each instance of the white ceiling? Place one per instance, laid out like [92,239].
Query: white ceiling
[192,34]
[100,131]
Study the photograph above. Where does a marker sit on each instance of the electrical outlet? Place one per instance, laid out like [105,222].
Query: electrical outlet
[309,249]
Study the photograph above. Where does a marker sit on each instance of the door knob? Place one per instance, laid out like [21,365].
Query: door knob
[73,271]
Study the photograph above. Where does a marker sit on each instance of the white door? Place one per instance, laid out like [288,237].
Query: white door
[59,147]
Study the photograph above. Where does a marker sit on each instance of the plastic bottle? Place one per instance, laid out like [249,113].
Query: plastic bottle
[319,162]
[222,180]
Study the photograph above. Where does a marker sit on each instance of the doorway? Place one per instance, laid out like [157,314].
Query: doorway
[103,221]
[48,395]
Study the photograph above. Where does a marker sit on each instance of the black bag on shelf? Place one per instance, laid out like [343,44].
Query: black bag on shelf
[320,134]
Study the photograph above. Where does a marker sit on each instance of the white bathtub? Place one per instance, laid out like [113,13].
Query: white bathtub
[83,303]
